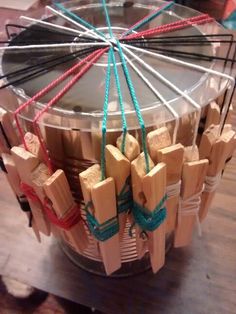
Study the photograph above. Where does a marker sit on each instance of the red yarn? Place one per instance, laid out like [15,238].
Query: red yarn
[94,56]
[71,218]
[91,59]
[203,18]
[144,18]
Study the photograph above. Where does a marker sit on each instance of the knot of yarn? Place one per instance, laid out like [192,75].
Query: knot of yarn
[103,231]
[149,221]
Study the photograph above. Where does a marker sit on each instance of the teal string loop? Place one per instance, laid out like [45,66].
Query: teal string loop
[104,231]
[136,105]
[105,114]
[149,221]
[148,18]
[125,198]
[78,19]
[117,80]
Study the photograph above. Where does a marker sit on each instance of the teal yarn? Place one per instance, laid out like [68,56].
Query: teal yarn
[117,80]
[136,105]
[149,221]
[78,19]
[125,198]
[105,114]
[102,232]
[148,19]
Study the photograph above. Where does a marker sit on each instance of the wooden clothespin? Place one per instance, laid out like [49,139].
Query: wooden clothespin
[14,181]
[8,136]
[132,148]
[26,163]
[156,140]
[148,191]
[71,141]
[172,156]
[193,176]
[33,145]
[58,192]
[111,138]
[221,149]
[102,196]
[12,174]
[213,115]
[118,167]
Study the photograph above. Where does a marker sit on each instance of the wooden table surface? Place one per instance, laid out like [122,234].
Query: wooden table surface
[198,279]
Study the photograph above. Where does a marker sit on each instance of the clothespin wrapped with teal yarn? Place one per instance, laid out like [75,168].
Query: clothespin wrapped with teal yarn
[148,209]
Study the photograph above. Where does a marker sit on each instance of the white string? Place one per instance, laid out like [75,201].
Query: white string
[171,85]
[40,22]
[93,34]
[199,68]
[154,90]
[189,207]
[173,189]
[184,63]
[211,183]
[72,44]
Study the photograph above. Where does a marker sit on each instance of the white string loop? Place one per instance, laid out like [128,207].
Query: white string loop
[191,206]
[211,183]
[173,189]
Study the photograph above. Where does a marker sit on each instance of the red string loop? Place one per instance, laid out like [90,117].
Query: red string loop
[71,218]
[201,19]
[90,58]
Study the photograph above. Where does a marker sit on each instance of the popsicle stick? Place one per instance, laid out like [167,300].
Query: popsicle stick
[154,189]
[57,190]
[172,156]
[193,177]
[156,140]
[6,122]
[104,202]
[213,114]
[220,152]
[132,148]
[26,163]
[138,171]
[118,167]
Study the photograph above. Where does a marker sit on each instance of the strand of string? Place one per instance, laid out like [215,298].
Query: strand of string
[117,80]
[191,206]
[44,91]
[105,113]
[147,19]
[132,92]
[55,99]
[201,19]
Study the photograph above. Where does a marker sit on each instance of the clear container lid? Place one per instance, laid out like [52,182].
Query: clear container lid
[82,107]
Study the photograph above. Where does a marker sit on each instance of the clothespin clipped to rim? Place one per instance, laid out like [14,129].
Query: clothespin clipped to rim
[102,211]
